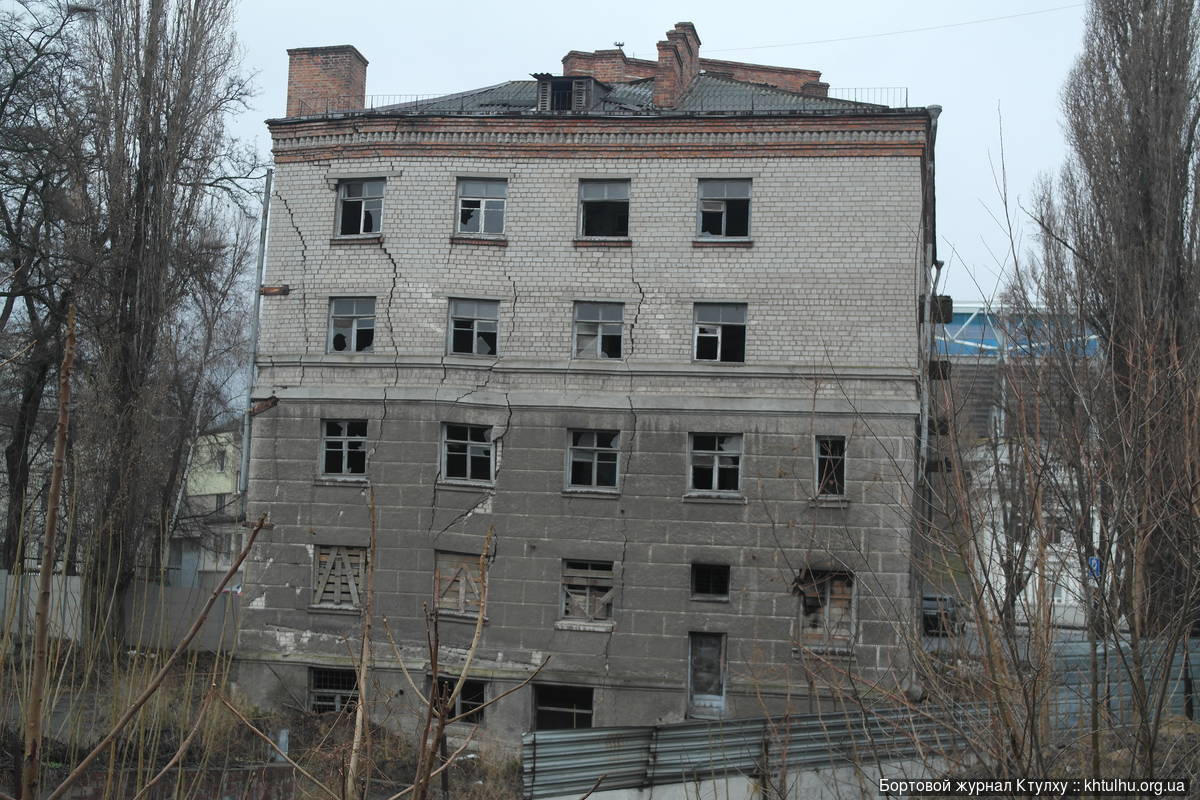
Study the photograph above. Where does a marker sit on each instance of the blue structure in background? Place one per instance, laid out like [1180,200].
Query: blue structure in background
[992,332]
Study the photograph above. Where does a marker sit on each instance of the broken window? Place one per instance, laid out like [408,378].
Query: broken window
[337,576]
[331,689]
[467,452]
[562,707]
[720,332]
[587,590]
[351,325]
[344,447]
[598,329]
[481,205]
[604,208]
[360,207]
[473,326]
[706,675]
[716,462]
[594,456]
[469,701]
[826,606]
[724,208]
[710,581]
[831,466]
[456,580]
[564,93]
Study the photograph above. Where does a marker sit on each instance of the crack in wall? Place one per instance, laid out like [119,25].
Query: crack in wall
[391,336]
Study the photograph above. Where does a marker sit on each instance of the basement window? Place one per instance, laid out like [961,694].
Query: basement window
[598,329]
[344,447]
[716,462]
[706,674]
[331,689]
[481,205]
[710,581]
[360,207]
[720,332]
[457,581]
[351,325]
[338,576]
[467,452]
[562,707]
[604,208]
[473,327]
[587,590]
[831,466]
[469,701]
[724,209]
[826,606]
[594,456]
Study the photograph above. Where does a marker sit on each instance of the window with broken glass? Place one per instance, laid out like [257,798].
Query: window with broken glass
[716,462]
[337,576]
[710,581]
[562,707]
[360,207]
[706,674]
[720,332]
[331,689]
[467,452]
[724,208]
[831,466]
[587,590]
[598,329]
[457,582]
[473,327]
[826,606]
[481,205]
[351,325]
[604,208]
[469,701]
[344,447]
[594,456]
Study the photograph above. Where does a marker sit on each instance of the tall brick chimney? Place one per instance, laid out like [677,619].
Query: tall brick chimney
[324,79]
[678,64]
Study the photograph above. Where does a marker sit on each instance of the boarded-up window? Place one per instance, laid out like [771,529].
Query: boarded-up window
[587,590]
[338,575]
[457,583]
[826,606]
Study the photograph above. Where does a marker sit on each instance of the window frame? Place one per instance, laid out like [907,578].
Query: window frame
[826,578]
[839,466]
[352,569]
[483,210]
[475,328]
[592,580]
[474,709]
[711,597]
[540,703]
[363,198]
[724,200]
[582,222]
[716,455]
[354,318]
[721,325]
[346,440]
[466,576]
[601,324]
[705,704]
[342,699]
[471,444]
[595,450]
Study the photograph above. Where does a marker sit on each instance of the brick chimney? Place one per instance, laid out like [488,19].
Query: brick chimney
[322,79]
[678,64]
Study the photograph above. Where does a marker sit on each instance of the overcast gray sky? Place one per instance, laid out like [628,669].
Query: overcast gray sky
[979,68]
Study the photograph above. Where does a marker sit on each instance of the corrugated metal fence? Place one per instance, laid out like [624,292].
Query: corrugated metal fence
[557,763]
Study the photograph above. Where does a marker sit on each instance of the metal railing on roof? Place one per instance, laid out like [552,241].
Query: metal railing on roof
[890,96]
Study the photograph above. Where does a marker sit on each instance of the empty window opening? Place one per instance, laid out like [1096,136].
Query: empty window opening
[939,615]
[469,701]
[725,208]
[481,205]
[562,707]
[360,207]
[706,675]
[337,576]
[467,452]
[331,689]
[351,325]
[716,461]
[605,208]
[710,581]
[594,459]
[587,590]
[344,447]
[720,332]
[826,606]
[831,466]
[473,326]
[457,583]
[598,329]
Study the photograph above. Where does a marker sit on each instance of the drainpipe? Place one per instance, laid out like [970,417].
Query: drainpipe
[244,467]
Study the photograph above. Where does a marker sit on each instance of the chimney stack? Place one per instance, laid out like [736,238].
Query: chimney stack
[322,79]
[678,64]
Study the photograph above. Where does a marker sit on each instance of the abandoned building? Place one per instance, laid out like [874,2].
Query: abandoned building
[653,325]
